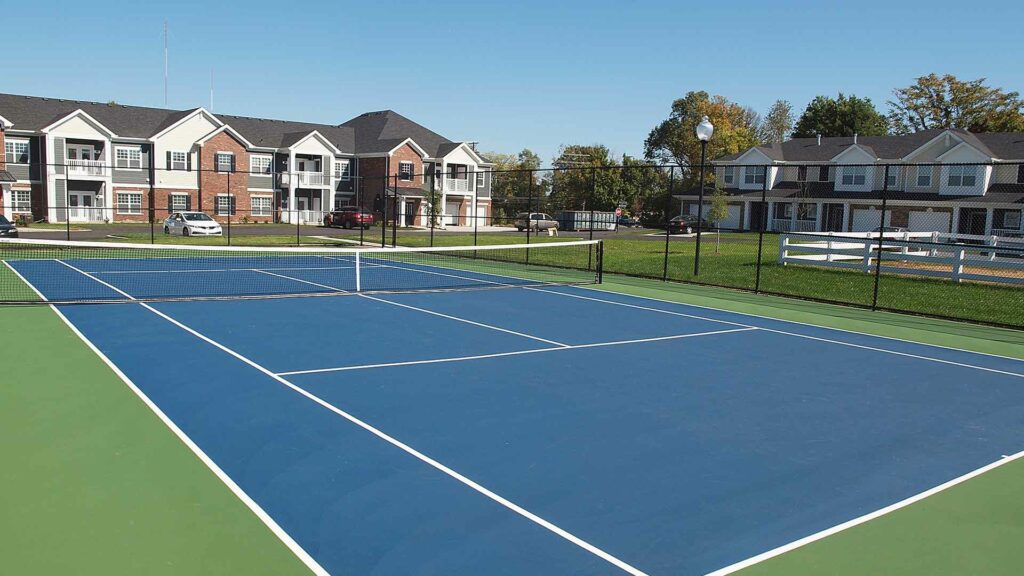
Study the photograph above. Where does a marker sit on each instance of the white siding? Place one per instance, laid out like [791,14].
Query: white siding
[181,139]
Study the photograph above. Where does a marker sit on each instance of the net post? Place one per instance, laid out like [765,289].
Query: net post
[668,208]
[600,261]
[394,215]
[359,284]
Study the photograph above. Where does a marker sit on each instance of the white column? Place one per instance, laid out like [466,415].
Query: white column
[792,216]
[956,220]
[401,210]
[988,221]
[820,216]
[846,217]
[745,224]
[292,178]
[771,214]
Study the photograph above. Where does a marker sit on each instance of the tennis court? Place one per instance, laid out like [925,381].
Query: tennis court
[448,412]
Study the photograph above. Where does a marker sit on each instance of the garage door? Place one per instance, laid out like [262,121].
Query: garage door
[929,222]
[451,209]
[731,221]
[867,220]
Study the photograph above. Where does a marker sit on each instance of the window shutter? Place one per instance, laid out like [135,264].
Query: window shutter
[232,169]
[168,161]
[231,205]
[170,204]
[188,202]
[188,161]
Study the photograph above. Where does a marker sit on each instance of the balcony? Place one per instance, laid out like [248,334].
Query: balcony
[787,225]
[304,179]
[87,168]
[457,185]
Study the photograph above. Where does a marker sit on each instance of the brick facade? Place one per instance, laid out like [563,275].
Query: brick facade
[407,154]
[213,183]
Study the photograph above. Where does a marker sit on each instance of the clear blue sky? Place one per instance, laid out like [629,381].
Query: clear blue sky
[534,74]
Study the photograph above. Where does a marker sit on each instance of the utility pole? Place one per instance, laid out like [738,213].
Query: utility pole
[165,64]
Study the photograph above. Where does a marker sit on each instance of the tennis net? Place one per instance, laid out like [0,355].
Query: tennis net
[36,271]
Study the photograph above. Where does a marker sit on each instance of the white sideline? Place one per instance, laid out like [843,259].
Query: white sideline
[389,439]
[514,353]
[189,271]
[237,490]
[862,519]
[324,286]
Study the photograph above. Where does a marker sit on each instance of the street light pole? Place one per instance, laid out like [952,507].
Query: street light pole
[704,131]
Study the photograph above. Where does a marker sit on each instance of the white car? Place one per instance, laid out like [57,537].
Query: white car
[191,224]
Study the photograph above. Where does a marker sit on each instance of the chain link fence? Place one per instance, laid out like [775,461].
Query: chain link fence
[939,239]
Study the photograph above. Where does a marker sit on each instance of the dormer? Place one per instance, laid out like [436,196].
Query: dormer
[855,170]
[961,172]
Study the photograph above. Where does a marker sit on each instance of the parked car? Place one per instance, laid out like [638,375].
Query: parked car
[349,217]
[686,224]
[8,229]
[191,224]
[627,222]
[535,221]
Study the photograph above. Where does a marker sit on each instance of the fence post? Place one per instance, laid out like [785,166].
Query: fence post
[668,208]
[762,223]
[231,207]
[476,212]
[394,215]
[384,212]
[67,205]
[958,265]
[357,182]
[783,251]
[881,236]
[152,216]
[593,193]
[529,214]
[433,204]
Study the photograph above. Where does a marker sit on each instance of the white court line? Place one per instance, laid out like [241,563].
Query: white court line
[862,519]
[798,335]
[383,436]
[649,309]
[188,270]
[237,490]
[325,286]
[514,353]
[474,323]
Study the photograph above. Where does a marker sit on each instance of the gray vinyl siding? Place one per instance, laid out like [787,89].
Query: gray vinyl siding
[21,171]
[58,155]
[60,189]
[485,192]
[138,177]
[265,182]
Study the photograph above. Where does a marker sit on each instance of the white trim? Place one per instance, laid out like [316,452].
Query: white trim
[410,141]
[270,164]
[225,128]
[117,203]
[323,140]
[187,117]
[963,144]
[21,140]
[221,475]
[130,148]
[855,147]
[5,123]
[469,150]
[862,519]
[915,151]
[96,123]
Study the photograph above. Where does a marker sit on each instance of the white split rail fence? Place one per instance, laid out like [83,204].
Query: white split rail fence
[957,257]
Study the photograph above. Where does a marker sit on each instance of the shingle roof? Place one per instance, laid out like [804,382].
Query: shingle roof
[283,133]
[34,113]
[1002,145]
[381,131]
[996,194]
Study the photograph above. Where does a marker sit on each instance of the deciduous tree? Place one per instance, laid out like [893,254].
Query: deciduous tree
[841,116]
[935,101]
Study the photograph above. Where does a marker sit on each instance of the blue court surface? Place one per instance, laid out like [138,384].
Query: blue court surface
[552,430]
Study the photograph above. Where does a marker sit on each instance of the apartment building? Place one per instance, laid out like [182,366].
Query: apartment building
[934,180]
[95,162]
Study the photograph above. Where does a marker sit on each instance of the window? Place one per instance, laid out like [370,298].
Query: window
[178,202]
[801,174]
[405,171]
[128,158]
[924,176]
[823,174]
[225,205]
[854,175]
[179,160]
[807,211]
[783,211]
[22,200]
[259,164]
[963,176]
[753,175]
[730,175]
[480,179]
[262,205]
[893,177]
[16,152]
[129,203]
[224,162]
[342,170]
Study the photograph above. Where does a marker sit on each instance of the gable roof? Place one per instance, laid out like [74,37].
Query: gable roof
[34,113]
[1001,145]
[267,133]
[382,131]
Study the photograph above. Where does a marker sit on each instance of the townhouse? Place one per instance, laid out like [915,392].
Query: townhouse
[67,160]
[942,180]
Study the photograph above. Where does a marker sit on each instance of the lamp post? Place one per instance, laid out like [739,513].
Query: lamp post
[704,131]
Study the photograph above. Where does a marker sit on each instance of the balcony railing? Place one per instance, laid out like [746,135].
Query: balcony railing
[97,168]
[788,225]
[456,185]
[303,179]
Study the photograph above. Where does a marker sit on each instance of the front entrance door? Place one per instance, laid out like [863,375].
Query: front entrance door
[410,212]
[833,218]
[80,207]
[758,216]
[452,211]
[972,221]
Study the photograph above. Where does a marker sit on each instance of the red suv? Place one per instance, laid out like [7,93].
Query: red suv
[349,217]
